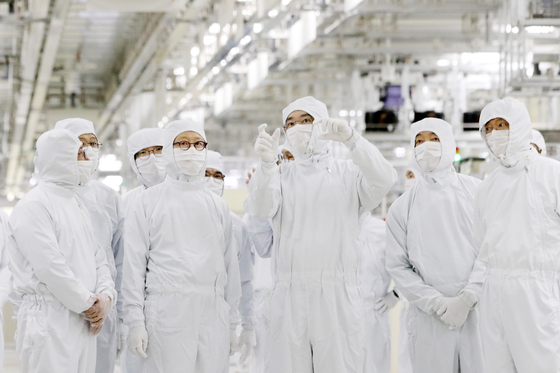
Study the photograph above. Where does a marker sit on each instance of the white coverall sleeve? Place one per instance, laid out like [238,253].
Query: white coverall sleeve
[247,301]
[232,291]
[260,232]
[136,254]
[105,284]
[118,252]
[265,195]
[376,175]
[407,281]
[33,233]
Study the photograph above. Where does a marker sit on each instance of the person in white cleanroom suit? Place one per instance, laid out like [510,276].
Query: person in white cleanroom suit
[538,142]
[517,226]
[214,180]
[60,272]
[378,299]
[145,154]
[431,256]
[181,284]
[317,321]
[105,208]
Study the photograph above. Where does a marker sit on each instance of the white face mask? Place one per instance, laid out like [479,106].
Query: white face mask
[215,185]
[190,162]
[299,136]
[428,155]
[409,183]
[93,156]
[151,169]
[498,141]
[84,171]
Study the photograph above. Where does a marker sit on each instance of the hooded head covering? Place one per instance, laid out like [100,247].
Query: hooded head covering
[78,126]
[56,159]
[172,130]
[145,138]
[444,131]
[317,110]
[214,160]
[538,140]
[516,114]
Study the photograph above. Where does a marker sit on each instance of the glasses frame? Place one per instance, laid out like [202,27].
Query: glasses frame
[189,144]
[150,152]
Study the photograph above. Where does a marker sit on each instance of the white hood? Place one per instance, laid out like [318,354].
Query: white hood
[56,158]
[519,121]
[538,140]
[214,160]
[317,110]
[444,131]
[172,130]
[145,138]
[78,126]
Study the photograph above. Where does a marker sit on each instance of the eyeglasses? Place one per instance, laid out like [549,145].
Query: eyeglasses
[216,177]
[94,145]
[292,124]
[185,145]
[145,154]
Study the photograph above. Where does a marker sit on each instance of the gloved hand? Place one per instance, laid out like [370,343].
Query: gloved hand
[120,338]
[233,342]
[138,341]
[334,129]
[266,146]
[453,311]
[95,328]
[247,341]
[386,303]
[99,310]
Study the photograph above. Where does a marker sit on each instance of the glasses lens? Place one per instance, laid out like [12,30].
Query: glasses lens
[185,145]
[143,155]
[199,145]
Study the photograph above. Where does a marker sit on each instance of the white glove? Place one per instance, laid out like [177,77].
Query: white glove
[233,342]
[247,341]
[334,129]
[386,303]
[120,338]
[138,341]
[453,311]
[266,146]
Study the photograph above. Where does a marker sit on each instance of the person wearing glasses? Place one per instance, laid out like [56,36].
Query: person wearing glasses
[145,153]
[60,271]
[181,283]
[317,321]
[214,180]
[105,208]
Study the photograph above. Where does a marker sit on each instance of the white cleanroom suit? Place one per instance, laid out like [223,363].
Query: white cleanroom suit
[181,283]
[142,139]
[317,321]
[517,226]
[56,263]
[105,208]
[245,257]
[431,258]
[377,298]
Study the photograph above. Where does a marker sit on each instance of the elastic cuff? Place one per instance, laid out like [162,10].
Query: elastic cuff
[468,298]
[351,142]
[112,294]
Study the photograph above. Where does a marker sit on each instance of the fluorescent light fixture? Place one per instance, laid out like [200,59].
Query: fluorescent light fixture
[209,39]
[246,40]
[257,28]
[443,63]
[214,28]
[113,181]
[194,70]
[195,51]
[109,163]
[539,29]
[273,13]
[400,152]
[179,70]
[343,113]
